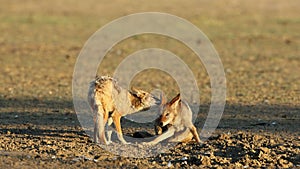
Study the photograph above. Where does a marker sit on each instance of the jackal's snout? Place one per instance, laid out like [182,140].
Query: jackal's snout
[161,124]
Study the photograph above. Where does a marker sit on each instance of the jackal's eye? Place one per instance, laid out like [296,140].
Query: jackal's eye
[167,115]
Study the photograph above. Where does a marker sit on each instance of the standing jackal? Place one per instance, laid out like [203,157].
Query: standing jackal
[110,102]
[177,117]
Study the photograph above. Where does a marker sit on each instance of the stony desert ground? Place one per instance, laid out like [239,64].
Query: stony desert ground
[258,43]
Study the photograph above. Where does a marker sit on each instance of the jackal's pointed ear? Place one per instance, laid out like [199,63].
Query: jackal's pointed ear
[175,101]
[163,99]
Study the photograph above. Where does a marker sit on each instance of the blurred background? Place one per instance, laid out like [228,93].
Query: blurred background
[258,43]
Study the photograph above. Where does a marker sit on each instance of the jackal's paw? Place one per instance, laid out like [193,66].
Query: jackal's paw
[148,143]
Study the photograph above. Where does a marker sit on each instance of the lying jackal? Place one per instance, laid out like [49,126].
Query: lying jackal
[177,116]
[110,102]
[184,137]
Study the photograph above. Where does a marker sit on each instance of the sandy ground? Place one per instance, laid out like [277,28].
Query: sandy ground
[258,43]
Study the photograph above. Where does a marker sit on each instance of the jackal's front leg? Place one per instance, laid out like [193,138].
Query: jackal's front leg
[170,132]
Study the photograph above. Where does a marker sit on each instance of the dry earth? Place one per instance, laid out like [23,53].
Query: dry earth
[258,43]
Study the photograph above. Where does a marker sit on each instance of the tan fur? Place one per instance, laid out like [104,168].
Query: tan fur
[177,116]
[184,137]
[110,102]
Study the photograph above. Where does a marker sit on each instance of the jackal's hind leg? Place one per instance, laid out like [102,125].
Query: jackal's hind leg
[101,117]
[99,135]
[183,136]
[195,133]
[117,121]
[109,130]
